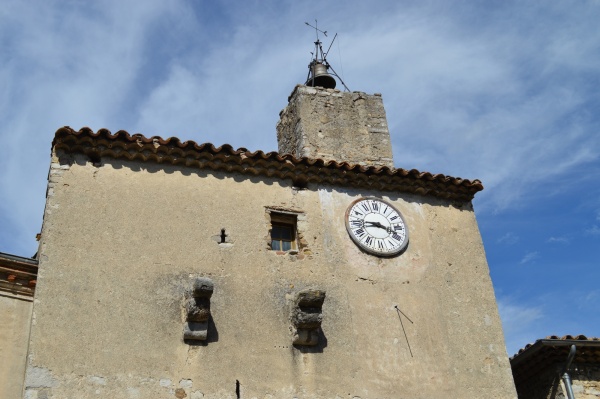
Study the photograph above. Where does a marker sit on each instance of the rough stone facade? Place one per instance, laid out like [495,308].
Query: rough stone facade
[586,382]
[334,125]
[158,277]
[123,240]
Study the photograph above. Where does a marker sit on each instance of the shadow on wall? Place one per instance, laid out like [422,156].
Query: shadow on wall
[317,348]
[213,335]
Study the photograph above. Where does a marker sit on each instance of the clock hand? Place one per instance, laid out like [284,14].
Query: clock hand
[377,224]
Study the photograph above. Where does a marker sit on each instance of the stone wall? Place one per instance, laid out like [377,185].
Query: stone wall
[334,125]
[124,241]
[586,381]
[548,384]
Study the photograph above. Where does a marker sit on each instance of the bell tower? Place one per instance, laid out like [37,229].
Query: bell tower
[323,122]
[334,125]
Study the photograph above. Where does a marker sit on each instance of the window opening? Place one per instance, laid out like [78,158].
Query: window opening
[283,232]
[282,237]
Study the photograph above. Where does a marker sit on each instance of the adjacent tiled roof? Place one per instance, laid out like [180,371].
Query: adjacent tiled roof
[552,351]
[122,145]
[18,275]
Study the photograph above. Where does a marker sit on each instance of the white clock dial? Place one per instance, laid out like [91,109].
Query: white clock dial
[376,227]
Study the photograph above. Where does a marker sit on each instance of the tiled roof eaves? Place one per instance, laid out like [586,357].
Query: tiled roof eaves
[18,275]
[547,354]
[554,341]
[122,145]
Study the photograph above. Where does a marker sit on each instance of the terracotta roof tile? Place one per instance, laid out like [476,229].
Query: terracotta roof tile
[579,337]
[122,145]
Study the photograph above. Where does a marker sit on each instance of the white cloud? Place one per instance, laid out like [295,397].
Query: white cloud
[509,238]
[534,316]
[517,317]
[560,240]
[530,257]
[502,105]
[590,299]
[594,230]
[72,64]
[519,322]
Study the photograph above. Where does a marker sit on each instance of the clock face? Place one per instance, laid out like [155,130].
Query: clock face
[376,227]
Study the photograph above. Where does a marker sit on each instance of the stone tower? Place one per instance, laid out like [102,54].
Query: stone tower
[334,125]
[246,284]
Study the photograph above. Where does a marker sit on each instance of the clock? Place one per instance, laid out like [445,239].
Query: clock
[376,227]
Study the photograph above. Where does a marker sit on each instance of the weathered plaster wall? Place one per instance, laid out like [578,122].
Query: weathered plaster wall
[15,318]
[334,125]
[121,243]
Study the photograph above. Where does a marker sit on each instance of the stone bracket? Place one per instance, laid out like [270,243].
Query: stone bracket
[197,309]
[306,317]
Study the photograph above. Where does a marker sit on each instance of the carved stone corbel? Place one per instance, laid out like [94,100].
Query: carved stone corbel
[197,310]
[306,317]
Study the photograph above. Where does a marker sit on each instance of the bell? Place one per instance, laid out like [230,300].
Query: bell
[320,77]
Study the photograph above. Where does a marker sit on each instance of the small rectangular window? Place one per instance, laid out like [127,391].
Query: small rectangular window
[283,232]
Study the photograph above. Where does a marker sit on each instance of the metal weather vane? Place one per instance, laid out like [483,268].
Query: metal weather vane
[318,66]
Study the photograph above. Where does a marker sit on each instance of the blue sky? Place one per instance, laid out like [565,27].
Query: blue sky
[504,91]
